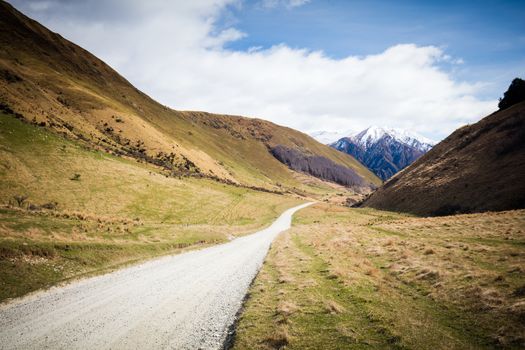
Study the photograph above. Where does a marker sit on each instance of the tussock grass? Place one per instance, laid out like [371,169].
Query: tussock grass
[363,278]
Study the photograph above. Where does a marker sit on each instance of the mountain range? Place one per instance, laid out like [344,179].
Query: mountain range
[385,151]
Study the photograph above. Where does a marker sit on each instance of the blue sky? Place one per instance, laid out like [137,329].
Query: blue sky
[426,66]
[489,36]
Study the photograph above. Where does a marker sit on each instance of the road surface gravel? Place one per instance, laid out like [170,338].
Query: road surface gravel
[186,301]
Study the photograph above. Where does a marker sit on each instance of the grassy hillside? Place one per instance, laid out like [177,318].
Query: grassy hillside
[479,167]
[95,174]
[85,209]
[364,279]
[53,82]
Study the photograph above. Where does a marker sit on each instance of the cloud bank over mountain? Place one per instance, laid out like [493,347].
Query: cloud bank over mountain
[178,53]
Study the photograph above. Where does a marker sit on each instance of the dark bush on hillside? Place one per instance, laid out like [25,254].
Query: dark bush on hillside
[5,108]
[20,199]
[9,76]
[515,94]
[50,205]
[318,166]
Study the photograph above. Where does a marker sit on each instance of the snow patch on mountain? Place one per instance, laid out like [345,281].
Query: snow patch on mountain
[374,134]
[385,151]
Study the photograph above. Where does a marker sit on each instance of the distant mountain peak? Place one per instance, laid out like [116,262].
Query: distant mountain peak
[384,150]
[373,134]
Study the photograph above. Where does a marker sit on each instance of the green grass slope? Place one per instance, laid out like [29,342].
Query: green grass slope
[86,210]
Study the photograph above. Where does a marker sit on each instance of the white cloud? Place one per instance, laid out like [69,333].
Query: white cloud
[39,5]
[286,3]
[297,3]
[175,52]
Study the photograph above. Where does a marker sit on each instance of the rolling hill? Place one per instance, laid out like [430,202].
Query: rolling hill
[478,168]
[51,82]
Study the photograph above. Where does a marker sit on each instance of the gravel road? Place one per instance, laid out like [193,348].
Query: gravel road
[186,301]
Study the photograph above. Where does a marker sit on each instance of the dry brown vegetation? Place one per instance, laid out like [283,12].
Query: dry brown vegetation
[361,278]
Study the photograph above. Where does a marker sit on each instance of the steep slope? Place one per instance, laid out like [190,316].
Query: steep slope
[54,83]
[384,151]
[479,167]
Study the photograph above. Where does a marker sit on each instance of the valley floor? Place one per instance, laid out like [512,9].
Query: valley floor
[364,279]
[39,249]
[187,301]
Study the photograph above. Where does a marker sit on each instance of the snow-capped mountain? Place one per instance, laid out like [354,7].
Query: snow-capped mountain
[384,151]
[374,134]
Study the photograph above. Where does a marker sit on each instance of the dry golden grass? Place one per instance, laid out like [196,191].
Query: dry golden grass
[334,307]
[116,211]
[369,279]
[76,94]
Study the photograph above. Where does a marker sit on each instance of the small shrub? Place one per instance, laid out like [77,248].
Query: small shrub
[50,205]
[519,292]
[20,199]
[349,202]
[9,76]
[75,177]
[33,207]
[63,101]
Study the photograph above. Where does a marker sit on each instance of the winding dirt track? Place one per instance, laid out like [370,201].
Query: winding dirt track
[186,301]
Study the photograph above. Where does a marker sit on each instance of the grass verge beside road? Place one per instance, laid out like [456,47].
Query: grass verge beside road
[359,279]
